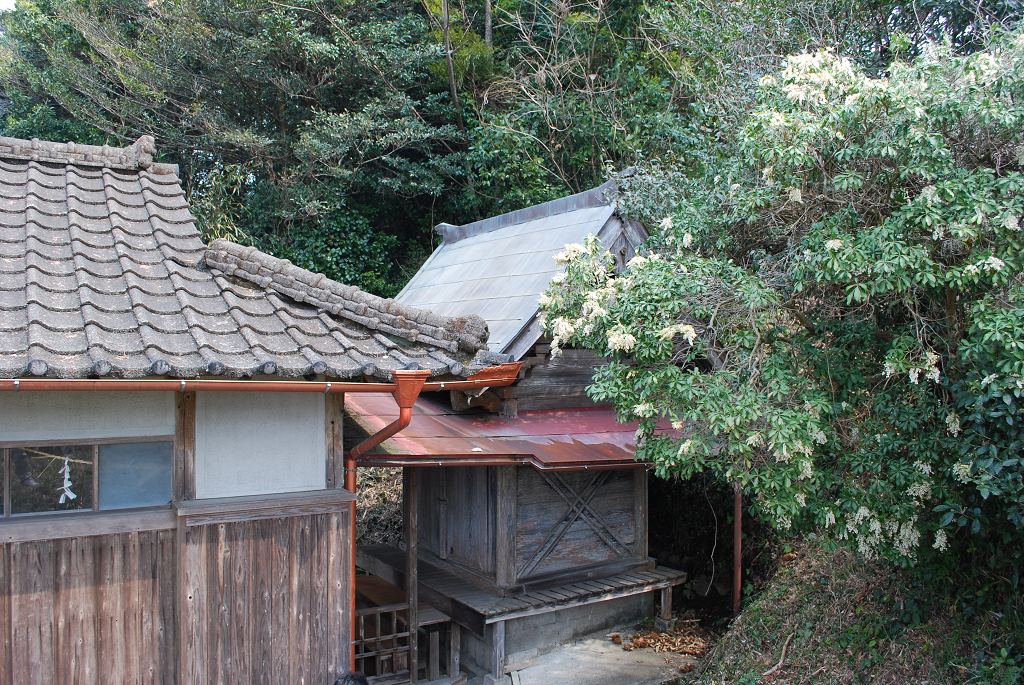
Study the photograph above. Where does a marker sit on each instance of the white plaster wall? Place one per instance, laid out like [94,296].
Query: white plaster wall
[31,416]
[259,443]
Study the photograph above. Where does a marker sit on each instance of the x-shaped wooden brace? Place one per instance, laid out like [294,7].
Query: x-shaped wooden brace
[579,507]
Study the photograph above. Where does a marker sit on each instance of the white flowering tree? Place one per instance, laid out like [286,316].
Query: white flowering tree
[831,318]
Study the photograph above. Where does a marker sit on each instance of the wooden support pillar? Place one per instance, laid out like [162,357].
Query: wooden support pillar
[411,479]
[666,603]
[184,481]
[334,429]
[505,527]
[454,649]
[498,653]
[434,656]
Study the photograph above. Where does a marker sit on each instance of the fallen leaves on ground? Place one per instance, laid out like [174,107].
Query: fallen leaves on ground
[687,638]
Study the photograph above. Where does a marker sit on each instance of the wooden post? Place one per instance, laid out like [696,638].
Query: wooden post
[184,482]
[666,603]
[454,649]
[737,552]
[334,431]
[498,651]
[505,527]
[640,512]
[411,476]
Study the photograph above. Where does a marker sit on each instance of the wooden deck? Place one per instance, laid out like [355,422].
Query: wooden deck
[475,608]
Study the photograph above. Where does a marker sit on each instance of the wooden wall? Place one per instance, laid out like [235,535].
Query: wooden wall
[244,590]
[89,610]
[552,538]
[503,526]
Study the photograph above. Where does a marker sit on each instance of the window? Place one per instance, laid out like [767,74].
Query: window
[53,478]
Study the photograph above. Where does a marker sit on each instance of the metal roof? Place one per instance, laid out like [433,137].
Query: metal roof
[548,439]
[103,273]
[497,268]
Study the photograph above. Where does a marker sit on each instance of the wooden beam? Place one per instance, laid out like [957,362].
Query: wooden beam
[334,433]
[75,525]
[411,480]
[184,486]
[256,507]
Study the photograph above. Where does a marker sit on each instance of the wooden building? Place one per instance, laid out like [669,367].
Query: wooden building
[171,432]
[526,513]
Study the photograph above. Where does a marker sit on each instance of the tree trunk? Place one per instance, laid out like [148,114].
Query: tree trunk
[451,65]
[487,22]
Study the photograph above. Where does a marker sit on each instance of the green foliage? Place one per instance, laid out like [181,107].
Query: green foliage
[310,129]
[813,319]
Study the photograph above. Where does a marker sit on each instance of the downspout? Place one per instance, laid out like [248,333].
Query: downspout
[737,548]
[408,385]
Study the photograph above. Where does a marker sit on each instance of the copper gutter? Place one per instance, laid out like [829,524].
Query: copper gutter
[208,385]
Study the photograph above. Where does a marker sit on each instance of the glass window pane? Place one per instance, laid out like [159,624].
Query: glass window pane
[41,477]
[135,475]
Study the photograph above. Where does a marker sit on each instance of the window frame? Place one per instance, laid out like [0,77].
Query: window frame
[5,454]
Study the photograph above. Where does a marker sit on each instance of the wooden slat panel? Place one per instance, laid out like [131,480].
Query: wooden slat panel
[5,615]
[279,660]
[262,606]
[318,619]
[240,563]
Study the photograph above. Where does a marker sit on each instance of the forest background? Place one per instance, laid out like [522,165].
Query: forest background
[832,298]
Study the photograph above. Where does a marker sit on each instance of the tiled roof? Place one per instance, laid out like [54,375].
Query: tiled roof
[103,273]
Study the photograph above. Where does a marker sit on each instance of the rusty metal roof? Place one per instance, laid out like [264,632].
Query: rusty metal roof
[548,439]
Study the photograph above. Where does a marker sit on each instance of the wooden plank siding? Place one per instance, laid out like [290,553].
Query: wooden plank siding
[88,610]
[262,599]
[273,594]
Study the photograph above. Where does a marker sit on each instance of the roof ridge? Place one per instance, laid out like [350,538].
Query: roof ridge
[349,302]
[138,155]
[595,197]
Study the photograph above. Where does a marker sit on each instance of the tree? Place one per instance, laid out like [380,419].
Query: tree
[815,318]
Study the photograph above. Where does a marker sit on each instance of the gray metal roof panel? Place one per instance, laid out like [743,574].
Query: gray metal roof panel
[500,274]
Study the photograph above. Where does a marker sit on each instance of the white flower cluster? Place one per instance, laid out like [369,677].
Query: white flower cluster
[688,332]
[562,328]
[990,264]
[805,470]
[830,518]
[923,467]
[801,499]
[941,541]
[904,535]
[809,76]
[644,410]
[686,447]
[1011,222]
[572,251]
[953,425]
[920,491]
[834,244]
[594,306]
[929,195]
[621,340]
[962,472]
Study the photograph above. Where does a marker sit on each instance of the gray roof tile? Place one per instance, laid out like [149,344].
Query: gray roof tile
[103,272]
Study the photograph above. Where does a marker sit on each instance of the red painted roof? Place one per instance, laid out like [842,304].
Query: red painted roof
[549,439]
